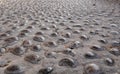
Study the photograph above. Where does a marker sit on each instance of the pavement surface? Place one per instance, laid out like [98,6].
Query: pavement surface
[59,36]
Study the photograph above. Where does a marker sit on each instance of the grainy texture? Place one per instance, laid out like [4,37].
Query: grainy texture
[63,36]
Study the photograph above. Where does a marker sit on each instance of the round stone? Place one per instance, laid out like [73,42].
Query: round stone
[22,24]
[15,27]
[115,51]
[76,31]
[92,26]
[51,44]
[90,55]
[93,32]
[72,21]
[115,43]
[92,69]
[114,32]
[22,34]
[38,38]
[69,52]
[53,26]
[4,63]
[109,61]
[68,28]
[45,28]
[97,48]
[30,27]
[105,27]
[103,41]
[26,43]
[54,34]
[11,39]
[47,70]
[36,48]
[39,33]
[50,54]
[114,25]
[9,32]
[26,31]
[34,23]
[68,62]
[67,35]
[77,25]
[2,50]
[14,69]
[62,40]
[32,58]
[62,24]
[3,35]
[84,37]
[18,50]
[75,44]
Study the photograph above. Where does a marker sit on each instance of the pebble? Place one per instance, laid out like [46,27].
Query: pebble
[39,38]
[72,21]
[53,26]
[97,48]
[114,32]
[92,69]
[105,27]
[109,61]
[47,70]
[51,44]
[90,55]
[32,58]
[30,27]
[50,54]
[68,62]
[68,28]
[2,51]
[114,25]
[93,32]
[3,35]
[26,43]
[77,25]
[115,51]
[11,39]
[22,34]
[115,43]
[62,24]
[75,44]
[45,28]
[14,28]
[25,31]
[54,34]
[39,33]
[76,31]
[92,26]
[36,48]
[18,50]
[4,63]
[34,23]
[67,35]
[84,37]
[62,40]
[14,69]
[103,41]
[69,52]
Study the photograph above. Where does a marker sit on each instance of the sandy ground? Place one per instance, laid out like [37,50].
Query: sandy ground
[53,26]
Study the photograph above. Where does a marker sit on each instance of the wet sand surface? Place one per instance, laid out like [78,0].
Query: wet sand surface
[59,36]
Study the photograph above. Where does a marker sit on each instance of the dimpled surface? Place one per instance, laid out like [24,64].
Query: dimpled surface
[53,27]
